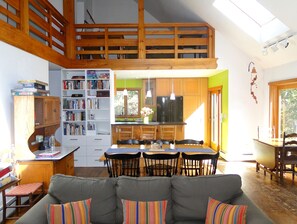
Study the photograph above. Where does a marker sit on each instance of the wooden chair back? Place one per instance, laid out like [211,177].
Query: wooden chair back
[168,132]
[161,164]
[199,164]
[125,132]
[148,132]
[123,164]
[288,155]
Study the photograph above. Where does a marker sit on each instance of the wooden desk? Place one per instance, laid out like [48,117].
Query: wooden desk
[41,169]
[267,155]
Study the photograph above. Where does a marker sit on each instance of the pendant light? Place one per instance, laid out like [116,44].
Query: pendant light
[149,92]
[125,93]
[172,95]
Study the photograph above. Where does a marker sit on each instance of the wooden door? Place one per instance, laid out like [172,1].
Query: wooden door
[51,110]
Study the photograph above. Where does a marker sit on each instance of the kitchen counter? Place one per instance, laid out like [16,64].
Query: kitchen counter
[150,123]
[136,132]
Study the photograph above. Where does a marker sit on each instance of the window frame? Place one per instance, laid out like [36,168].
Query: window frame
[274,92]
[126,103]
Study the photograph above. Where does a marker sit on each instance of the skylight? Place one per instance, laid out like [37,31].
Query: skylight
[252,18]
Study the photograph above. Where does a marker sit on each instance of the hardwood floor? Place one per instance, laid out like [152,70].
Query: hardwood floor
[278,201]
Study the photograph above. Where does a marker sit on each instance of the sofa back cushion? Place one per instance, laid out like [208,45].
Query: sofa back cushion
[144,189]
[101,191]
[190,194]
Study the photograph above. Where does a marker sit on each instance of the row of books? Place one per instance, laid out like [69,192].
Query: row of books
[6,174]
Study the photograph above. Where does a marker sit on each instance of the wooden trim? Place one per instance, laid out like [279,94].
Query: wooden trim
[141,30]
[146,64]
[274,90]
[24,42]
[24,16]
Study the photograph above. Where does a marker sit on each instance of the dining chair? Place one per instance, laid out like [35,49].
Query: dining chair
[199,164]
[148,132]
[161,164]
[123,164]
[125,132]
[189,142]
[128,142]
[288,155]
[167,132]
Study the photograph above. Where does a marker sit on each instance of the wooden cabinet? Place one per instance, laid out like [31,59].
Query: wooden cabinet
[41,171]
[136,131]
[34,115]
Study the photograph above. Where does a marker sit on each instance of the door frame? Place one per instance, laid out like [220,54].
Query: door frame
[215,90]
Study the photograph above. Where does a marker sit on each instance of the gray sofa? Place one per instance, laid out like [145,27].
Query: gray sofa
[187,197]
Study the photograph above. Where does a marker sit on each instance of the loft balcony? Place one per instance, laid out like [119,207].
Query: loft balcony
[37,27]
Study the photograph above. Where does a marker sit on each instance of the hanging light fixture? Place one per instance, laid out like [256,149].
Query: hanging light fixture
[149,92]
[125,93]
[172,95]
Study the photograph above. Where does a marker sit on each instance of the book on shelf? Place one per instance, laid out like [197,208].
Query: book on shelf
[5,169]
[33,86]
[32,81]
[29,92]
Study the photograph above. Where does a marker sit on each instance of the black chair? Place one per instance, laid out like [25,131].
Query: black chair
[161,164]
[199,164]
[123,164]
[160,142]
[288,155]
[128,142]
[189,142]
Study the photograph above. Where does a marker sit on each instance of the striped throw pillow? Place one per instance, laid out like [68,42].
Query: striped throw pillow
[77,212]
[144,212]
[221,213]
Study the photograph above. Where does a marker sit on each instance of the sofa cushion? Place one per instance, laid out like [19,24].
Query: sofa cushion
[143,189]
[101,191]
[190,194]
[71,212]
[144,211]
[218,212]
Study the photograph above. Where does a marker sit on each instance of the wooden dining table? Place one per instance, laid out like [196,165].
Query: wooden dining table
[194,149]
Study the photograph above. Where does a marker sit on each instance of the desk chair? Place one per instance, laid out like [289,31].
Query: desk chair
[199,164]
[123,164]
[161,164]
[125,132]
[148,132]
[168,132]
[32,191]
[288,155]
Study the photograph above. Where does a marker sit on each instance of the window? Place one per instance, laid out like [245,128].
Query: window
[283,111]
[127,106]
[253,18]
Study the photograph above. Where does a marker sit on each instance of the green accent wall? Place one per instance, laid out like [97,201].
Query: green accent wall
[130,83]
[221,79]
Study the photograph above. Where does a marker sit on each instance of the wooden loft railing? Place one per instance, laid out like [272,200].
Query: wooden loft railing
[37,27]
[34,26]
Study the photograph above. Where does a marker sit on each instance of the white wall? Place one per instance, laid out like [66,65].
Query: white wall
[15,65]
[117,11]
[244,114]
